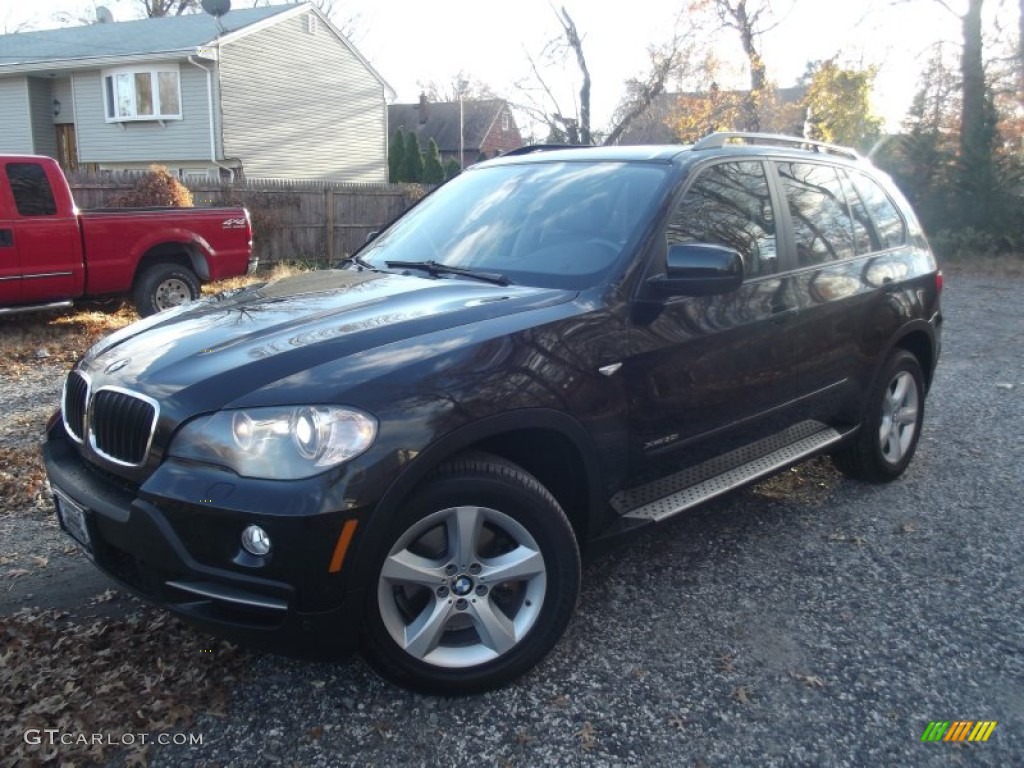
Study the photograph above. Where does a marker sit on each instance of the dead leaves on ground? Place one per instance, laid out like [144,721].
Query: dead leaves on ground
[811,681]
[140,674]
[22,481]
[60,337]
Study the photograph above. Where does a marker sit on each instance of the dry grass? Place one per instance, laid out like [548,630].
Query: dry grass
[276,272]
[54,337]
[1008,265]
[63,337]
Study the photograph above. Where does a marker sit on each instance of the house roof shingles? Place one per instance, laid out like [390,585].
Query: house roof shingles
[442,123]
[126,38]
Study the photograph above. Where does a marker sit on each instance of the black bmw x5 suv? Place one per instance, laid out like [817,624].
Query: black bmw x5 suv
[409,454]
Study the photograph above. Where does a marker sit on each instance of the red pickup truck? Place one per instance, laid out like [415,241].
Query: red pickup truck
[52,253]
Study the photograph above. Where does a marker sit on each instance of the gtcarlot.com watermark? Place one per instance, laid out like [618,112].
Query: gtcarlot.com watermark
[57,737]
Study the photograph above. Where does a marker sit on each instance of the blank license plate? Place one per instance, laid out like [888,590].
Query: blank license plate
[72,520]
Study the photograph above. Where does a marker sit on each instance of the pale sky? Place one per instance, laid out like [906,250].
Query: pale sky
[411,41]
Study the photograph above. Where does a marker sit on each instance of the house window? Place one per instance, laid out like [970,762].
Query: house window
[142,94]
[504,121]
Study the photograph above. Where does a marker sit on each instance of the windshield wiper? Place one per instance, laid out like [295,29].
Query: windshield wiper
[360,261]
[434,269]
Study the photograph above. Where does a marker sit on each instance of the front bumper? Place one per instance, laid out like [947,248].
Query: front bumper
[187,556]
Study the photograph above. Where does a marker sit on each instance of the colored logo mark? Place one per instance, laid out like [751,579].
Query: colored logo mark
[959,730]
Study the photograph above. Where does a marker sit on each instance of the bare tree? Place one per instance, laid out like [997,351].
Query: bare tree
[538,97]
[1020,53]
[573,40]
[666,61]
[750,20]
[460,85]
[155,9]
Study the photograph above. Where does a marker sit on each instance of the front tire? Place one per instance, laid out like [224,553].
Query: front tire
[163,286]
[476,583]
[888,434]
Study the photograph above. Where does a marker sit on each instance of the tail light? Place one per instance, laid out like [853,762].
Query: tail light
[248,225]
[938,282]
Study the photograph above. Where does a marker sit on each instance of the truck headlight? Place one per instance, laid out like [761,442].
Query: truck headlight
[277,443]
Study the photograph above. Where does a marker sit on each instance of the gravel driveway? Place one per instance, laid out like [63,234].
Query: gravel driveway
[808,620]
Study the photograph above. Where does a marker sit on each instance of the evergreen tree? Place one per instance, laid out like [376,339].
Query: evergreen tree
[451,168]
[396,157]
[433,172]
[413,159]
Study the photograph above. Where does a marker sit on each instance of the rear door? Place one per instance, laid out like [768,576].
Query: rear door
[853,255]
[46,238]
[708,373]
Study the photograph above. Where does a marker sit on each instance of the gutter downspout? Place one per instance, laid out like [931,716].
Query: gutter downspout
[213,129]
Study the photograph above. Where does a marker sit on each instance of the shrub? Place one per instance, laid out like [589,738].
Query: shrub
[413,160]
[451,168]
[396,157]
[433,171]
[156,187]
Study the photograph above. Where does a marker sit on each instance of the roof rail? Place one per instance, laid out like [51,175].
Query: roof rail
[719,139]
[529,149]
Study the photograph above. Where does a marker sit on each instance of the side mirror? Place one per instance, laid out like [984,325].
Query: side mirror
[699,269]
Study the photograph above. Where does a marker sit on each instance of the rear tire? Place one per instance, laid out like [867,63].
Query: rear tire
[476,582]
[163,286]
[888,434]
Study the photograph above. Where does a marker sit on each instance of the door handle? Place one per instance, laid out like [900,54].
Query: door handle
[6,238]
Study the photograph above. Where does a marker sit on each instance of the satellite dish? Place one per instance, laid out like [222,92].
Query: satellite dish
[216,7]
[103,15]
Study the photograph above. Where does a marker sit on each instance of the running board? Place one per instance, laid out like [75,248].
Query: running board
[34,307]
[678,492]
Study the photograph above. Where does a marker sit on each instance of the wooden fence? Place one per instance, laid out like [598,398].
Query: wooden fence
[292,220]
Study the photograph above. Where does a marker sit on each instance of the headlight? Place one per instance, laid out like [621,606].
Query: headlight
[278,443]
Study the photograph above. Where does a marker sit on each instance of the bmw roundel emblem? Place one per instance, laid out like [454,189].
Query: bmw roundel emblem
[117,365]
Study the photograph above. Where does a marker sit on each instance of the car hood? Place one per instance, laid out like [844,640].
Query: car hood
[203,355]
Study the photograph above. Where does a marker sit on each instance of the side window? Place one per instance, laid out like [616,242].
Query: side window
[892,230]
[863,235]
[729,204]
[822,226]
[31,189]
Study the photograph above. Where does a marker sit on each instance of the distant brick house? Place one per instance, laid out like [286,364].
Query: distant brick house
[488,126]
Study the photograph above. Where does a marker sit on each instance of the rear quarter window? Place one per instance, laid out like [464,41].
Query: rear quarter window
[32,193]
[889,224]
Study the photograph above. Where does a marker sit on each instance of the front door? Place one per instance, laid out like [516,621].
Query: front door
[67,147]
[709,373]
[46,238]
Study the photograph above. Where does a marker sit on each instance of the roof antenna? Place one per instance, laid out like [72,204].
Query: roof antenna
[217,8]
[103,15]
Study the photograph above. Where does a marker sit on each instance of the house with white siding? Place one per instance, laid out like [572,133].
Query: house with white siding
[272,92]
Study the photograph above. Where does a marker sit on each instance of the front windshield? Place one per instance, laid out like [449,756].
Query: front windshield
[546,224]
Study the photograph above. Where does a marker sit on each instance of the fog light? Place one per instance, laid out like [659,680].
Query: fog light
[256,541]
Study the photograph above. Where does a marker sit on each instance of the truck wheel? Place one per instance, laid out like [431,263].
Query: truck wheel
[885,443]
[476,582]
[163,286]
